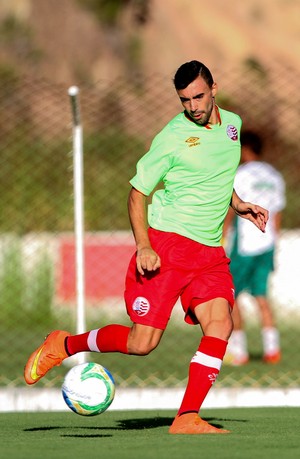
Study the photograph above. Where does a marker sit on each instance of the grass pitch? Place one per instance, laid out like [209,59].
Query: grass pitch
[255,432]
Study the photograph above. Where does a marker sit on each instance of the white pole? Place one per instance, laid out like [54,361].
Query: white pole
[78,214]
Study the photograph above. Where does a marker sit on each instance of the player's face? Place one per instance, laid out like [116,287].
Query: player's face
[198,101]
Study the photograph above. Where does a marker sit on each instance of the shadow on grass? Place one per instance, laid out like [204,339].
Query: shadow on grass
[152,423]
[72,435]
[86,436]
[143,423]
[125,424]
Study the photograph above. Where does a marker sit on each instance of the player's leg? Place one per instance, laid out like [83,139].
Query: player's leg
[241,268]
[214,317]
[207,300]
[112,338]
[269,331]
[137,340]
[238,321]
[148,311]
[237,349]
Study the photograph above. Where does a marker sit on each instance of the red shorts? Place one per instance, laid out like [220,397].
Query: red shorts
[191,271]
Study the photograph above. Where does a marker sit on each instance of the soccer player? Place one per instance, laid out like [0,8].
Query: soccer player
[252,253]
[178,249]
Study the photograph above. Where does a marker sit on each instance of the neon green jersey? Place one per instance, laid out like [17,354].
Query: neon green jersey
[197,165]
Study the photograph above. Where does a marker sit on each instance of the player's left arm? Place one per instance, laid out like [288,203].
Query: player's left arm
[252,212]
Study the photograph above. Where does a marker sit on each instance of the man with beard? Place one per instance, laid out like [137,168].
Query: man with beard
[178,250]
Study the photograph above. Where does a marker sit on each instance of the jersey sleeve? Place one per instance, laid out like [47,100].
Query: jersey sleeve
[153,166]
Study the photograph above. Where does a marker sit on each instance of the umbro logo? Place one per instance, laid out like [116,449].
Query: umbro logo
[193,141]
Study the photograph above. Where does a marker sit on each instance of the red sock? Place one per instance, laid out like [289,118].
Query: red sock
[204,369]
[112,338]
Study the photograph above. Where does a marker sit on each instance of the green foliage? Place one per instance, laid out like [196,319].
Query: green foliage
[134,55]
[111,157]
[12,281]
[109,11]
[8,78]
[36,181]
[255,66]
[18,38]
[13,30]
[40,292]
[106,11]
[26,292]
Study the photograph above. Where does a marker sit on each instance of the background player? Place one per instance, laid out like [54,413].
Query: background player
[252,253]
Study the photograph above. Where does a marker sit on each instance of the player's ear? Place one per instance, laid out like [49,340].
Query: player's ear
[214,89]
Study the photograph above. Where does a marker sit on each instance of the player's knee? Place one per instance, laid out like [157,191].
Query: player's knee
[142,340]
[219,328]
[228,327]
[141,347]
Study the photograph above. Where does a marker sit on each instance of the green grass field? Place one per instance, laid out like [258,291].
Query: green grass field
[262,433]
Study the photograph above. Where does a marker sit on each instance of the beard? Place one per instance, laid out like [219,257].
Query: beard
[204,118]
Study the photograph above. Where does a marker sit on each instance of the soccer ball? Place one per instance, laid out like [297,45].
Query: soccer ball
[88,389]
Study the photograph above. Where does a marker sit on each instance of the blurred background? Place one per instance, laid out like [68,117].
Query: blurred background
[123,54]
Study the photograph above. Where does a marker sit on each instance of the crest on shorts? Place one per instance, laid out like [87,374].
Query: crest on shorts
[232,132]
[141,306]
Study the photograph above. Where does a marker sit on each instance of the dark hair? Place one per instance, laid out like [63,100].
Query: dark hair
[252,140]
[189,71]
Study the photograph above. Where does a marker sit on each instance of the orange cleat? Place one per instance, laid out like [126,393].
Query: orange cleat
[51,353]
[192,424]
[272,358]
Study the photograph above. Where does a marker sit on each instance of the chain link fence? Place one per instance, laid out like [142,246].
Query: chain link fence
[37,247]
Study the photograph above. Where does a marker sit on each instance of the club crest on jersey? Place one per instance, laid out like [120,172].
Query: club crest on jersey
[192,141]
[232,132]
[141,306]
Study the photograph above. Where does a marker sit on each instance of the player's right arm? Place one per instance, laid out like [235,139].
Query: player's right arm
[146,257]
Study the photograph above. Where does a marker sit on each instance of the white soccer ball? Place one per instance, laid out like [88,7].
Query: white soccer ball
[88,389]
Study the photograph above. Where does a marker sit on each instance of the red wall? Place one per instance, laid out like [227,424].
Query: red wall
[106,261]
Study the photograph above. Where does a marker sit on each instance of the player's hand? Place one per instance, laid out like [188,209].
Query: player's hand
[147,260]
[256,214]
